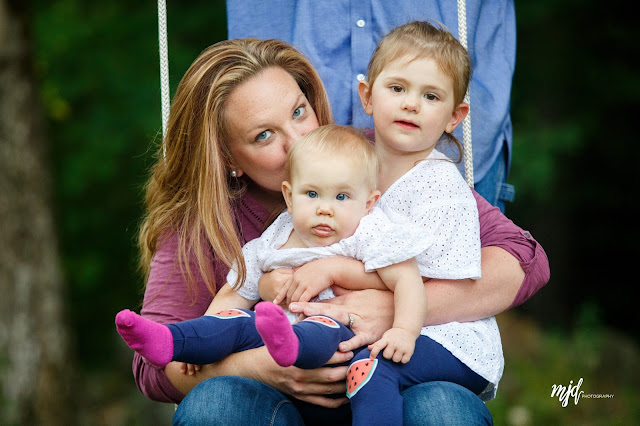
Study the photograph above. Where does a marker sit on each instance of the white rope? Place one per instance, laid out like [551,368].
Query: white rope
[466,124]
[164,68]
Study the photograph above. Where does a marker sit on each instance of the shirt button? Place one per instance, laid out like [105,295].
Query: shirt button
[360,77]
[360,23]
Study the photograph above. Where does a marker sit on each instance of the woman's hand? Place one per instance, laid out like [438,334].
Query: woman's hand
[372,312]
[310,386]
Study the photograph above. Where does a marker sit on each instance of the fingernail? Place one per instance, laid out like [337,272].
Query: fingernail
[293,307]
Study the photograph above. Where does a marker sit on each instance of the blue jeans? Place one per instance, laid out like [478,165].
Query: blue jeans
[493,186]
[239,401]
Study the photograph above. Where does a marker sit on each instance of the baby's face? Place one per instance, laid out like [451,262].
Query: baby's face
[327,198]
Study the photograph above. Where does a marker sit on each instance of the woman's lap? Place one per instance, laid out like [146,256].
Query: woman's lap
[235,401]
[239,401]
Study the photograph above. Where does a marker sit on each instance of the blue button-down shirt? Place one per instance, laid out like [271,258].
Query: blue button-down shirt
[339,37]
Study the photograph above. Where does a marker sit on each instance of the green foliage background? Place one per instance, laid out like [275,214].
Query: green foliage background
[574,107]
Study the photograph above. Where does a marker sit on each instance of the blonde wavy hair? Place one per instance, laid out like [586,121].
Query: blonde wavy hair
[189,191]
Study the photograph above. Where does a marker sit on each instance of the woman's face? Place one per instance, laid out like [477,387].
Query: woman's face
[265,115]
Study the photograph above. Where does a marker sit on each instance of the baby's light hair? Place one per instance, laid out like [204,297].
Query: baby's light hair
[332,140]
[418,40]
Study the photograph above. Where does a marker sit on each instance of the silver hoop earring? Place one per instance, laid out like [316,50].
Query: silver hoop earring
[234,174]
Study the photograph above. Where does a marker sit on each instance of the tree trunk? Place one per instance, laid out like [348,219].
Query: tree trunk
[34,361]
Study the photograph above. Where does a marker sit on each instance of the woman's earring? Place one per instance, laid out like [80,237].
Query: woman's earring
[234,174]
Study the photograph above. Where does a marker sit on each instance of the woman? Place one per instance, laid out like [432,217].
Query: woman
[236,112]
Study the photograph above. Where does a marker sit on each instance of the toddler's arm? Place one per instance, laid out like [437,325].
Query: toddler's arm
[410,303]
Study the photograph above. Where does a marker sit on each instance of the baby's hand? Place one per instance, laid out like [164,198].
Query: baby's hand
[189,369]
[292,290]
[279,277]
[398,345]
[308,281]
[303,290]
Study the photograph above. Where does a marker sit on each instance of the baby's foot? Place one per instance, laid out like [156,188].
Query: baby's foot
[276,331]
[151,340]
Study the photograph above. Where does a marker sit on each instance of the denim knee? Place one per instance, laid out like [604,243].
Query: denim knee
[443,403]
[231,401]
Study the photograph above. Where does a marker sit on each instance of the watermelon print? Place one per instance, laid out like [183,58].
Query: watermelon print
[323,320]
[359,374]
[231,313]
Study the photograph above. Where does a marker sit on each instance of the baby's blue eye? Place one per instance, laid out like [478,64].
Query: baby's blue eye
[341,197]
[312,194]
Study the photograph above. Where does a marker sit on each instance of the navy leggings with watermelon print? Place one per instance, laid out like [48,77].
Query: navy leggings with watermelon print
[211,338]
[374,387]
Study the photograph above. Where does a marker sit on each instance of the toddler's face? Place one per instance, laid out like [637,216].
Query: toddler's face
[412,103]
[327,198]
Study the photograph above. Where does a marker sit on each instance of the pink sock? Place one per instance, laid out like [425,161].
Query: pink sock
[276,331]
[151,340]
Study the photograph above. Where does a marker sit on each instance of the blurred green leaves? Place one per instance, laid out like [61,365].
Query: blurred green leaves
[99,76]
